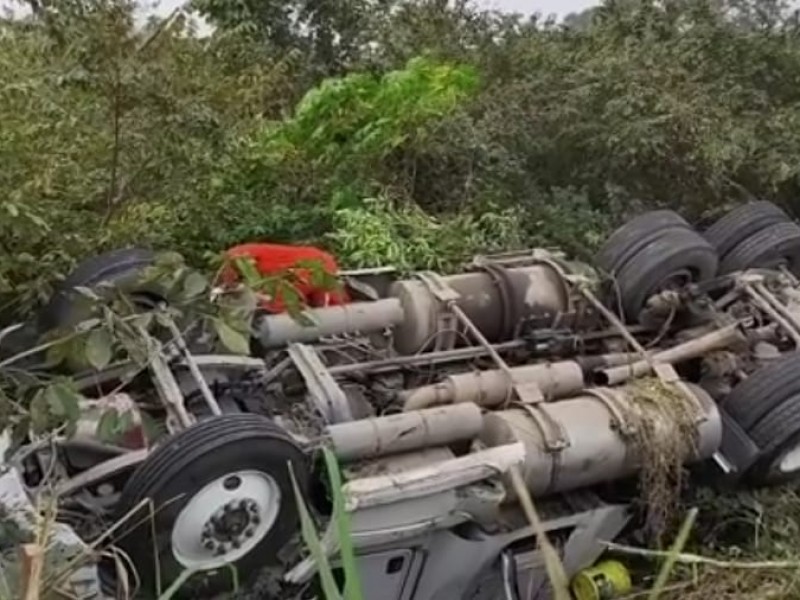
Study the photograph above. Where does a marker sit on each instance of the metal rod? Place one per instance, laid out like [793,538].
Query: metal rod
[789,275]
[721,338]
[776,304]
[764,305]
[467,322]
[278,369]
[167,387]
[102,471]
[615,321]
[188,359]
[425,359]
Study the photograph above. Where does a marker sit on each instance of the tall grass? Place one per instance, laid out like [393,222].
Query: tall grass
[313,541]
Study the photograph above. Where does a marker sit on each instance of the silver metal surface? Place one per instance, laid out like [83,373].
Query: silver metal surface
[325,393]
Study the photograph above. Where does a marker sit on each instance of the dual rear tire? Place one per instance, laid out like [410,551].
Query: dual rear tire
[654,252]
[756,235]
[766,406]
[659,250]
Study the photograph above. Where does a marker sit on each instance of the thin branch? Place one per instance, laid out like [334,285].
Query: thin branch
[116,115]
[696,559]
[162,27]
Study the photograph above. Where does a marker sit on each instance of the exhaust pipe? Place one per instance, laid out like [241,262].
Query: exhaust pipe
[404,432]
[716,340]
[490,389]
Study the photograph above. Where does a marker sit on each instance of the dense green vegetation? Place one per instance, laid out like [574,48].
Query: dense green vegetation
[413,132]
[408,131]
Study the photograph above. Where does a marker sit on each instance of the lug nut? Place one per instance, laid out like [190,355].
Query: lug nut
[209,544]
[236,544]
[255,520]
[248,533]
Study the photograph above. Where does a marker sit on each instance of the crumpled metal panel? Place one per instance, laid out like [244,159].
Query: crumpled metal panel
[18,523]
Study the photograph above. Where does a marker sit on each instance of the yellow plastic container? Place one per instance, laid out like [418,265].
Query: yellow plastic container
[604,581]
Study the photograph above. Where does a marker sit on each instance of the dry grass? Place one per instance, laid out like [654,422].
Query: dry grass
[743,546]
[664,437]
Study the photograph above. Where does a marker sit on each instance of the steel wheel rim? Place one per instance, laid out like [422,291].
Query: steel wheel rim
[789,461]
[225,520]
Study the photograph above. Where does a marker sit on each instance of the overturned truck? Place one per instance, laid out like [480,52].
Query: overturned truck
[429,389]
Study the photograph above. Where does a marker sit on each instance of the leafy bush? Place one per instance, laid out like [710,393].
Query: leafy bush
[116,135]
[288,179]
[379,233]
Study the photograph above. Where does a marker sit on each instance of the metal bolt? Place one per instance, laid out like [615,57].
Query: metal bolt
[249,532]
[209,545]
[221,549]
[236,543]
[255,519]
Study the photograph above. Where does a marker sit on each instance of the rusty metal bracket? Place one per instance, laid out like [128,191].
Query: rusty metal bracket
[447,321]
[668,375]
[567,279]
[532,402]
[325,393]
[554,436]
[610,400]
[509,311]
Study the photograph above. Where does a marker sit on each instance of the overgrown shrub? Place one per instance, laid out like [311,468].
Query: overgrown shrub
[114,135]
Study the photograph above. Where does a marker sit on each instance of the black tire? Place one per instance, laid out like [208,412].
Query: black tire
[19,340]
[654,264]
[626,241]
[762,392]
[772,246]
[177,470]
[742,222]
[122,267]
[776,434]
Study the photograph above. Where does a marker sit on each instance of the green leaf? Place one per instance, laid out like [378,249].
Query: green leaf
[143,321]
[63,401]
[235,341]
[39,412]
[153,429]
[194,285]
[246,266]
[126,422]
[673,555]
[108,426]
[313,543]
[353,589]
[99,348]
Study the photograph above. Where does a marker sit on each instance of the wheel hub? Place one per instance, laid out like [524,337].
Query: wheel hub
[232,523]
[676,280]
[225,520]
